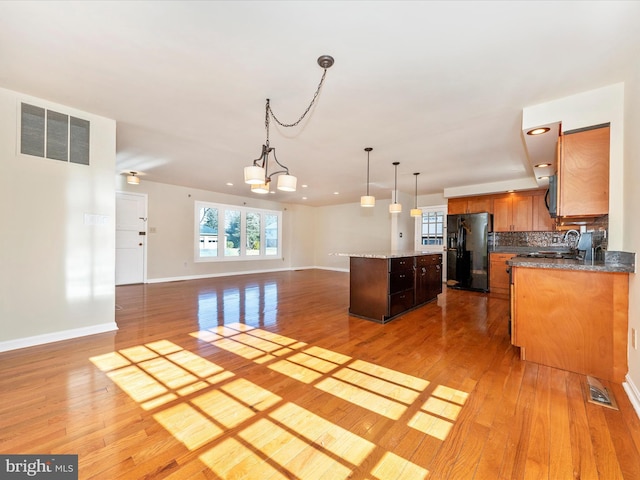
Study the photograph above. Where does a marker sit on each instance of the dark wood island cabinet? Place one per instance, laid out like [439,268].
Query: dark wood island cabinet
[383,287]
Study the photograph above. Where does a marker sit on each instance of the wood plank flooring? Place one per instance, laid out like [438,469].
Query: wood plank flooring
[267,377]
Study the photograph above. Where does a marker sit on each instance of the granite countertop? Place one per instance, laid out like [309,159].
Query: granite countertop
[383,255]
[621,262]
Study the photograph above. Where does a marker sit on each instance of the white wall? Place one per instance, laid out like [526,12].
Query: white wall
[403,225]
[56,274]
[170,250]
[631,240]
[350,228]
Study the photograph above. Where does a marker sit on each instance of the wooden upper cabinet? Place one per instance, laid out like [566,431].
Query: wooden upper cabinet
[583,173]
[502,214]
[542,221]
[456,205]
[477,204]
[513,213]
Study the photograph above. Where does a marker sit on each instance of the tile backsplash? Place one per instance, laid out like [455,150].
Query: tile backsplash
[552,240]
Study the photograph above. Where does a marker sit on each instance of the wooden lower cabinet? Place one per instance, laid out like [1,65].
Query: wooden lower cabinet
[573,320]
[380,289]
[498,274]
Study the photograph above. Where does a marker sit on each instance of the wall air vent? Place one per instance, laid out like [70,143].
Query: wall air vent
[48,134]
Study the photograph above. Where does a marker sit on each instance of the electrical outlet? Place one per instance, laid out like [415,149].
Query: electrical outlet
[634,338]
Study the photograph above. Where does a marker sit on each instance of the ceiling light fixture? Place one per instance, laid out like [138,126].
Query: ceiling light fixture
[368,200]
[132,179]
[538,131]
[258,173]
[542,165]
[416,212]
[395,207]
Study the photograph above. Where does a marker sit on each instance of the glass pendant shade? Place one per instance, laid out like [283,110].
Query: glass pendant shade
[287,183]
[367,201]
[395,208]
[133,180]
[260,188]
[254,175]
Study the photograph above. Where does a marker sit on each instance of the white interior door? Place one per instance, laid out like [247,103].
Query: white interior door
[131,237]
[431,233]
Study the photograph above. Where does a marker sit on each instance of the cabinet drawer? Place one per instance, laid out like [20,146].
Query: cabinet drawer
[400,302]
[402,263]
[427,260]
[399,281]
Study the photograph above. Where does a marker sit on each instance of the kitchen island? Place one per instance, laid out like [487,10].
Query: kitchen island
[572,314]
[384,285]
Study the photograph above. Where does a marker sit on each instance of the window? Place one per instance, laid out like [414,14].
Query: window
[432,228]
[248,233]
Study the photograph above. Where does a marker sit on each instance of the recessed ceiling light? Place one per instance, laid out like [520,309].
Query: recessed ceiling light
[336,193]
[229,184]
[542,165]
[510,191]
[304,198]
[305,186]
[543,177]
[538,131]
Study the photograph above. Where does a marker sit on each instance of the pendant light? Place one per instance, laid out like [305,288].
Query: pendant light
[367,200]
[415,211]
[395,207]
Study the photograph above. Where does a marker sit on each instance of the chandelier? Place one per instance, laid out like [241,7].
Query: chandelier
[260,173]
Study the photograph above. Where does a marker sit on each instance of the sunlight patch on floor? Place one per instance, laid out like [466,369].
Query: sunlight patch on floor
[363,398]
[199,402]
[393,466]
[295,371]
[438,415]
[323,433]
[188,425]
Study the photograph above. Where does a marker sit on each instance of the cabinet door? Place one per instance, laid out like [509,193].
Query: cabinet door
[498,276]
[434,281]
[521,208]
[456,206]
[542,221]
[479,204]
[583,173]
[502,214]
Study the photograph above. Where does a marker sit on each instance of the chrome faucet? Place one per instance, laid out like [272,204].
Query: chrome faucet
[573,239]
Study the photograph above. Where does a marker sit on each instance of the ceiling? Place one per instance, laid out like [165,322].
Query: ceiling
[437,86]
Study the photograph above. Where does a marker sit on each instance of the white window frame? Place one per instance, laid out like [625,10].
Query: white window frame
[221,208]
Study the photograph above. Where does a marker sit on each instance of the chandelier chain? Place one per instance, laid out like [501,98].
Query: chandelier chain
[315,95]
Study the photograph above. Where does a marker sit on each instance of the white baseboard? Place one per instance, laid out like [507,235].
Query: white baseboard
[230,274]
[56,336]
[633,393]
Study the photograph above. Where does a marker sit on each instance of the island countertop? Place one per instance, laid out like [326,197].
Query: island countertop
[386,254]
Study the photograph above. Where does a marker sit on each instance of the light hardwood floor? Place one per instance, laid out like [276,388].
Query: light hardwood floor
[267,377]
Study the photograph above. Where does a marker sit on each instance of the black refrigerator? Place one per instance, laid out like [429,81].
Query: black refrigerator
[468,251]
